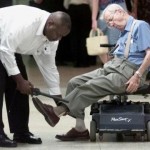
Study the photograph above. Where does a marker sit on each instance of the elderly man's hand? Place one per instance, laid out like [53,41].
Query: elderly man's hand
[133,84]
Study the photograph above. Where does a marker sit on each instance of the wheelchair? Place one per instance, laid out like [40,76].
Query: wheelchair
[122,116]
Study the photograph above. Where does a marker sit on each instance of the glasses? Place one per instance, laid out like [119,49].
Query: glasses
[111,18]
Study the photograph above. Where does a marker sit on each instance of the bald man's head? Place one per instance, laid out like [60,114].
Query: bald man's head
[57,26]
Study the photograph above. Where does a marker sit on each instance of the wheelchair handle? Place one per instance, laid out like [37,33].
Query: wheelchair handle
[107,45]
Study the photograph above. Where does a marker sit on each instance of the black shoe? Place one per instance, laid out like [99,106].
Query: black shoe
[6,142]
[26,138]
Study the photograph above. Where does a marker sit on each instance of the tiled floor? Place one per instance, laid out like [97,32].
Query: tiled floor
[40,128]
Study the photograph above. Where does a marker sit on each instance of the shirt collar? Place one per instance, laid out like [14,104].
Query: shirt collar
[41,27]
[129,23]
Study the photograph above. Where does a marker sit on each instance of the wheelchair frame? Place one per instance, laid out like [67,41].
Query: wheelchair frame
[121,116]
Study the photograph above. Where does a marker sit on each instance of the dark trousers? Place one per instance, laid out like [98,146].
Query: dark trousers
[81,26]
[4,3]
[17,104]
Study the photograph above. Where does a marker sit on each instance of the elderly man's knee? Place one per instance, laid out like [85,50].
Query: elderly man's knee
[73,81]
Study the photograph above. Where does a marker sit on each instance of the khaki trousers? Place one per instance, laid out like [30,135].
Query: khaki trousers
[83,90]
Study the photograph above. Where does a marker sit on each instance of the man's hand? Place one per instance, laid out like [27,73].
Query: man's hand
[23,85]
[133,84]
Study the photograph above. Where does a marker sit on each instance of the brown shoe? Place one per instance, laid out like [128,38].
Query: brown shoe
[74,135]
[47,111]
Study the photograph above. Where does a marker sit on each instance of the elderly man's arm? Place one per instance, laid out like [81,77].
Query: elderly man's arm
[134,81]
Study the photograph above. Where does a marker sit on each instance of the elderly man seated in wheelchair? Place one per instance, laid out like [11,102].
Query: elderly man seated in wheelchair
[124,73]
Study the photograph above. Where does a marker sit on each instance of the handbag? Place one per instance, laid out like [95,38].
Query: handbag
[96,37]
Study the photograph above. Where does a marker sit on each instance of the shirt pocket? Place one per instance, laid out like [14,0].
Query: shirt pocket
[133,45]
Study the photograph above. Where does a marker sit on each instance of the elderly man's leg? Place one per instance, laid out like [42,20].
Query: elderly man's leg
[85,96]
[56,112]
[81,97]
[95,85]
[79,132]
[84,91]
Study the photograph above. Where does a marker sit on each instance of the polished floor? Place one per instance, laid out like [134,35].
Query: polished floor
[40,128]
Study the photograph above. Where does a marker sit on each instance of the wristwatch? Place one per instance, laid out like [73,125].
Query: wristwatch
[138,73]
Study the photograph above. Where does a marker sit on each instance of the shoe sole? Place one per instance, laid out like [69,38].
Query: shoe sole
[27,141]
[11,145]
[42,111]
[74,139]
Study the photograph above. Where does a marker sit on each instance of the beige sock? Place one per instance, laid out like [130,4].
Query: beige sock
[80,125]
[60,110]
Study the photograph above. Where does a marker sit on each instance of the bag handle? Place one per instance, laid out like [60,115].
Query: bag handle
[96,32]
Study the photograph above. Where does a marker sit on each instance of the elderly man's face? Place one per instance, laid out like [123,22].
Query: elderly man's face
[115,19]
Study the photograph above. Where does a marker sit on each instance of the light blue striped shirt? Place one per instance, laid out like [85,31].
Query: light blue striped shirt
[140,41]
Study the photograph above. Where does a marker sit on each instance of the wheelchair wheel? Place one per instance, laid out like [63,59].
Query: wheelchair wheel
[119,137]
[147,108]
[100,136]
[93,131]
[94,108]
[139,137]
[148,131]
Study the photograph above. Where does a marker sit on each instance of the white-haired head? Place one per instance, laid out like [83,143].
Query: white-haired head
[115,16]
[112,8]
